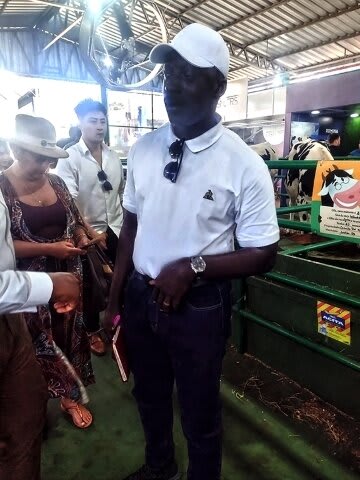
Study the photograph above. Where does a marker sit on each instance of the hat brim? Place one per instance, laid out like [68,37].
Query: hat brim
[51,152]
[160,53]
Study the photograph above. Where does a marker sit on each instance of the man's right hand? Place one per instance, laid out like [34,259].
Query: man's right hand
[66,292]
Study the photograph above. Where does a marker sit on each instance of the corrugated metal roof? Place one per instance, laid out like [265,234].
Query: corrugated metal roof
[263,35]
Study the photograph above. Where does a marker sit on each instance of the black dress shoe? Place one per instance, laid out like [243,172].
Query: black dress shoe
[147,473]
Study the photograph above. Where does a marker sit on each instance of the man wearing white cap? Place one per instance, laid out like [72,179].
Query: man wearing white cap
[191,184]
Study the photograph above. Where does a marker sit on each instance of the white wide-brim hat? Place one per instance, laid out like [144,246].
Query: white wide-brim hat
[197,44]
[36,135]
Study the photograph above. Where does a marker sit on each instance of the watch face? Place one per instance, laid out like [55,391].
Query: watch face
[198,264]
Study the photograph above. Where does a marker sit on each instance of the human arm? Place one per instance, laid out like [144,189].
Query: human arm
[23,291]
[122,268]
[67,171]
[66,291]
[176,278]
[257,233]
[62,249]
[122,183]
[92,234]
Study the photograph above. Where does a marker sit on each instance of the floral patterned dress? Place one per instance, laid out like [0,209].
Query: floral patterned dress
[60,340]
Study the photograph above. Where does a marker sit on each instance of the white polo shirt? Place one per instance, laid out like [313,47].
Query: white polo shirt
[79,171]
[223,187]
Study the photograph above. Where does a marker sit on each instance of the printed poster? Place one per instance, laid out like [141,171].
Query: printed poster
[334,322]
[335,209]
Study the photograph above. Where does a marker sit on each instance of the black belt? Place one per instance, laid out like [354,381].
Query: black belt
[198,282]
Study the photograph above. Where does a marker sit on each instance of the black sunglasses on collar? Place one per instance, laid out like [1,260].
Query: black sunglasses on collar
[105,182]
[176,150]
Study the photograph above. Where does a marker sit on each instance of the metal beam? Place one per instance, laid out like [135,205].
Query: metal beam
[248,56]
[240,19]
[252,15]
[310,23]
[253,59]
[345,61]
[193,7]
[2,10]
[57,5]
[67,29]
[48,13]
[320,44]
[20,21]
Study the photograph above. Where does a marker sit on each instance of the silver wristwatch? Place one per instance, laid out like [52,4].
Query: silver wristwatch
[198,265]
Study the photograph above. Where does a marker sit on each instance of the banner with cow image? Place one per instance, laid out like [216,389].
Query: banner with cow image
[335,209]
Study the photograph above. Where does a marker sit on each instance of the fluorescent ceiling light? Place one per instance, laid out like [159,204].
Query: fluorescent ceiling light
[277,81]
[94,5]
[315,112]
[354,115]
[107,61]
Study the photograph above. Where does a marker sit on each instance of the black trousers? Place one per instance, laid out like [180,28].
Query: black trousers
[23,397]
[186,347]
[111,244]
[92,319]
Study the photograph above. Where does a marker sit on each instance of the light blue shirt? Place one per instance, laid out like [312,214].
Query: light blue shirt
[19,291]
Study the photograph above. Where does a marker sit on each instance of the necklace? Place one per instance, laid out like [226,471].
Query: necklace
[28,192]
[39,202]
[34,195]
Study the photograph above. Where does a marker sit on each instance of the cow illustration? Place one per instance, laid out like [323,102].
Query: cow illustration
[299,183]
[340,189]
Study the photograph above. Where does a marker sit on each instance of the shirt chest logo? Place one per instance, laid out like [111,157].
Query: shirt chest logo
[209,195]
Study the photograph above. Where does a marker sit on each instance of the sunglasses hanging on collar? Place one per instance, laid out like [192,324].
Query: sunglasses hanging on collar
[176,151]
[105,182]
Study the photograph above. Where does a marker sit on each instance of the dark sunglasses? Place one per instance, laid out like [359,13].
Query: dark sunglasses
[176,150]
[105,182]
[40,159]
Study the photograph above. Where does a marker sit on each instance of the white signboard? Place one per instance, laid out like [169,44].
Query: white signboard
[232,105]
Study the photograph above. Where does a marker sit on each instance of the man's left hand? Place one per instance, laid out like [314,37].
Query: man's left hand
[172,283]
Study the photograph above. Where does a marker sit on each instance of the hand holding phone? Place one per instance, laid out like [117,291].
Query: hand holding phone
[91,242]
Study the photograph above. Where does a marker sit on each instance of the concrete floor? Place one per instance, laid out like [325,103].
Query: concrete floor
[258,445]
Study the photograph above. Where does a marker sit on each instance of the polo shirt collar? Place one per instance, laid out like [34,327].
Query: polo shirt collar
[204,141]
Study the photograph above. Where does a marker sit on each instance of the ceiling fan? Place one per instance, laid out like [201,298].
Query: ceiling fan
[122,65]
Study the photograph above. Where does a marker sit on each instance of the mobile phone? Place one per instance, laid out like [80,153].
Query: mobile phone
[91,242]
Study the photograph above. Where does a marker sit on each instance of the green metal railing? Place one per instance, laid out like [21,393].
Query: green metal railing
[302,164]
[293,224]
[338,296]
[322,291]
[297,208]
[315,347]
[308,248]
[292,164]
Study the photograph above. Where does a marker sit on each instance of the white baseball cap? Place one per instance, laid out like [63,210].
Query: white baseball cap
[197,44]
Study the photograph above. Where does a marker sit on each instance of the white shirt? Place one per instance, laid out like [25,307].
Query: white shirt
[223,187]
[19,291]
[79,171]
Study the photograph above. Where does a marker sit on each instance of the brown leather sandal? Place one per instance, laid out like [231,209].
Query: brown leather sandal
[77,410]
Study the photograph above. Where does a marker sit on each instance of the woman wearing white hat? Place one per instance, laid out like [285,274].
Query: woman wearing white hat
[48,232]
